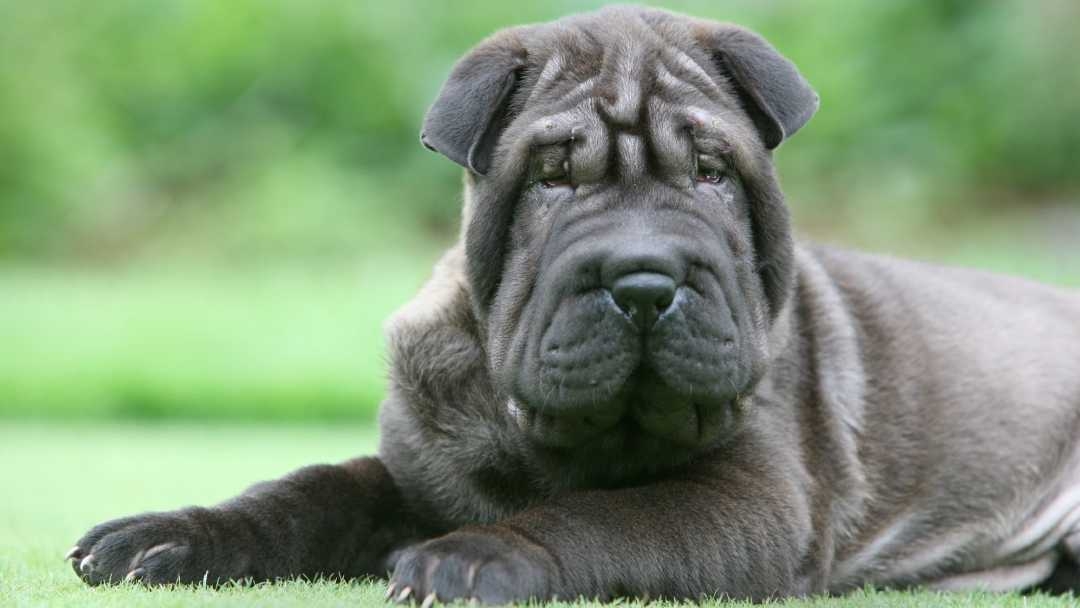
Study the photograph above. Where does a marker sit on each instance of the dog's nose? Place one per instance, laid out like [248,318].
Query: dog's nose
[643,296]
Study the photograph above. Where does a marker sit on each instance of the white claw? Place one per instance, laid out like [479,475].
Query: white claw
[71,554]
[428,601]
[134,574]
[404,595]
[86,563]
[390,591]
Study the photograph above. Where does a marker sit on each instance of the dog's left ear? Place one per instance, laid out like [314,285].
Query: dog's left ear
[463,124]
[777,97]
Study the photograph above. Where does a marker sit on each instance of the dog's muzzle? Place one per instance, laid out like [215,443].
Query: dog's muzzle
[652,350]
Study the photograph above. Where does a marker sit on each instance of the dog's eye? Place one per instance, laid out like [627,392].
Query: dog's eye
[554,182]
[710,175]
[556,177]
[710,170]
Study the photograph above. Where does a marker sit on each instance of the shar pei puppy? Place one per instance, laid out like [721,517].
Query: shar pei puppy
[629,380]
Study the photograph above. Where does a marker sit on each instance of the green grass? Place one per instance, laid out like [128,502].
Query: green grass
[58,480]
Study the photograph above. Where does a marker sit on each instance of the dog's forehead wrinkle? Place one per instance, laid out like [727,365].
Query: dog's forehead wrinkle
[677,84]
[630,156]
[612,87]
[618,60]
[622,84]
[668,83]
[548,78]
[692,72]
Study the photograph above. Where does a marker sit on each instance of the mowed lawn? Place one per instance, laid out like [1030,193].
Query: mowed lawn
[58,480]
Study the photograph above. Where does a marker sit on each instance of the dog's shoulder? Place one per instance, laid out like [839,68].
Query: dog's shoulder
[433,342]
[440,423]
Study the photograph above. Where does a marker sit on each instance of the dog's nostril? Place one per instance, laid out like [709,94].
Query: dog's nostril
[644,296]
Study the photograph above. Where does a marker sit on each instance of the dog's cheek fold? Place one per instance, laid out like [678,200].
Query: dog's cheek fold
[774,247]
[516,309]
[485,243]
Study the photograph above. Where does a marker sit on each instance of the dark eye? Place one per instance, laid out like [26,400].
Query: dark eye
[710,175]
[556,178]
[554,182]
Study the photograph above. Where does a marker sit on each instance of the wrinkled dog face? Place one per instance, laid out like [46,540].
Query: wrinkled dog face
[627,243]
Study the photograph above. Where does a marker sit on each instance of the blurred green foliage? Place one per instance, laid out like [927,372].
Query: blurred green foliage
[160,158]
[260,127]
[281,345]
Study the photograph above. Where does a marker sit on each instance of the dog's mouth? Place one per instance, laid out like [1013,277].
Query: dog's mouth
[645,407]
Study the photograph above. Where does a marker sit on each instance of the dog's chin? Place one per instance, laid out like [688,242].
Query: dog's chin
[627,443]
[565,430]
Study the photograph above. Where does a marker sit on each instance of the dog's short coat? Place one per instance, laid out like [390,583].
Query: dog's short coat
[628,380]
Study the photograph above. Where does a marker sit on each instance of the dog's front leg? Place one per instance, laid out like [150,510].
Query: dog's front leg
[334,520]
[739,534]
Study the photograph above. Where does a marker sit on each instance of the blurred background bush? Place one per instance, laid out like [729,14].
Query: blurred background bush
[207,208]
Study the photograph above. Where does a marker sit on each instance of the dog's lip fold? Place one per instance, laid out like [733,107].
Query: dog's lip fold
[698,423]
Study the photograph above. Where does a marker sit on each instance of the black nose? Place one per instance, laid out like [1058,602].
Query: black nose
[644,296]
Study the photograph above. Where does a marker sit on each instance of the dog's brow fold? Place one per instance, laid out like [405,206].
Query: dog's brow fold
[548,76]
[681,72]
[709,131]
[564,128]
[700,131]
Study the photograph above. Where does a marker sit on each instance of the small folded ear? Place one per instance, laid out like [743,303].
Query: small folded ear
[774,93]
[464,122]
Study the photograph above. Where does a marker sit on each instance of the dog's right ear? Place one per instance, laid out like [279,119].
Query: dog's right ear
[464,122]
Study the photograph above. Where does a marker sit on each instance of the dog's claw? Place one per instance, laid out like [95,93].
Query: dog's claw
[428,601]
[404,595]
[390,591]
[73,553]
[134,575]
[87,563]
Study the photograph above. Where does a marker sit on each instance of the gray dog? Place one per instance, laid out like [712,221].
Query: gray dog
[629,381]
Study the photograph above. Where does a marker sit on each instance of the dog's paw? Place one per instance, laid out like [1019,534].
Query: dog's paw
[488,565]
[153,549]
